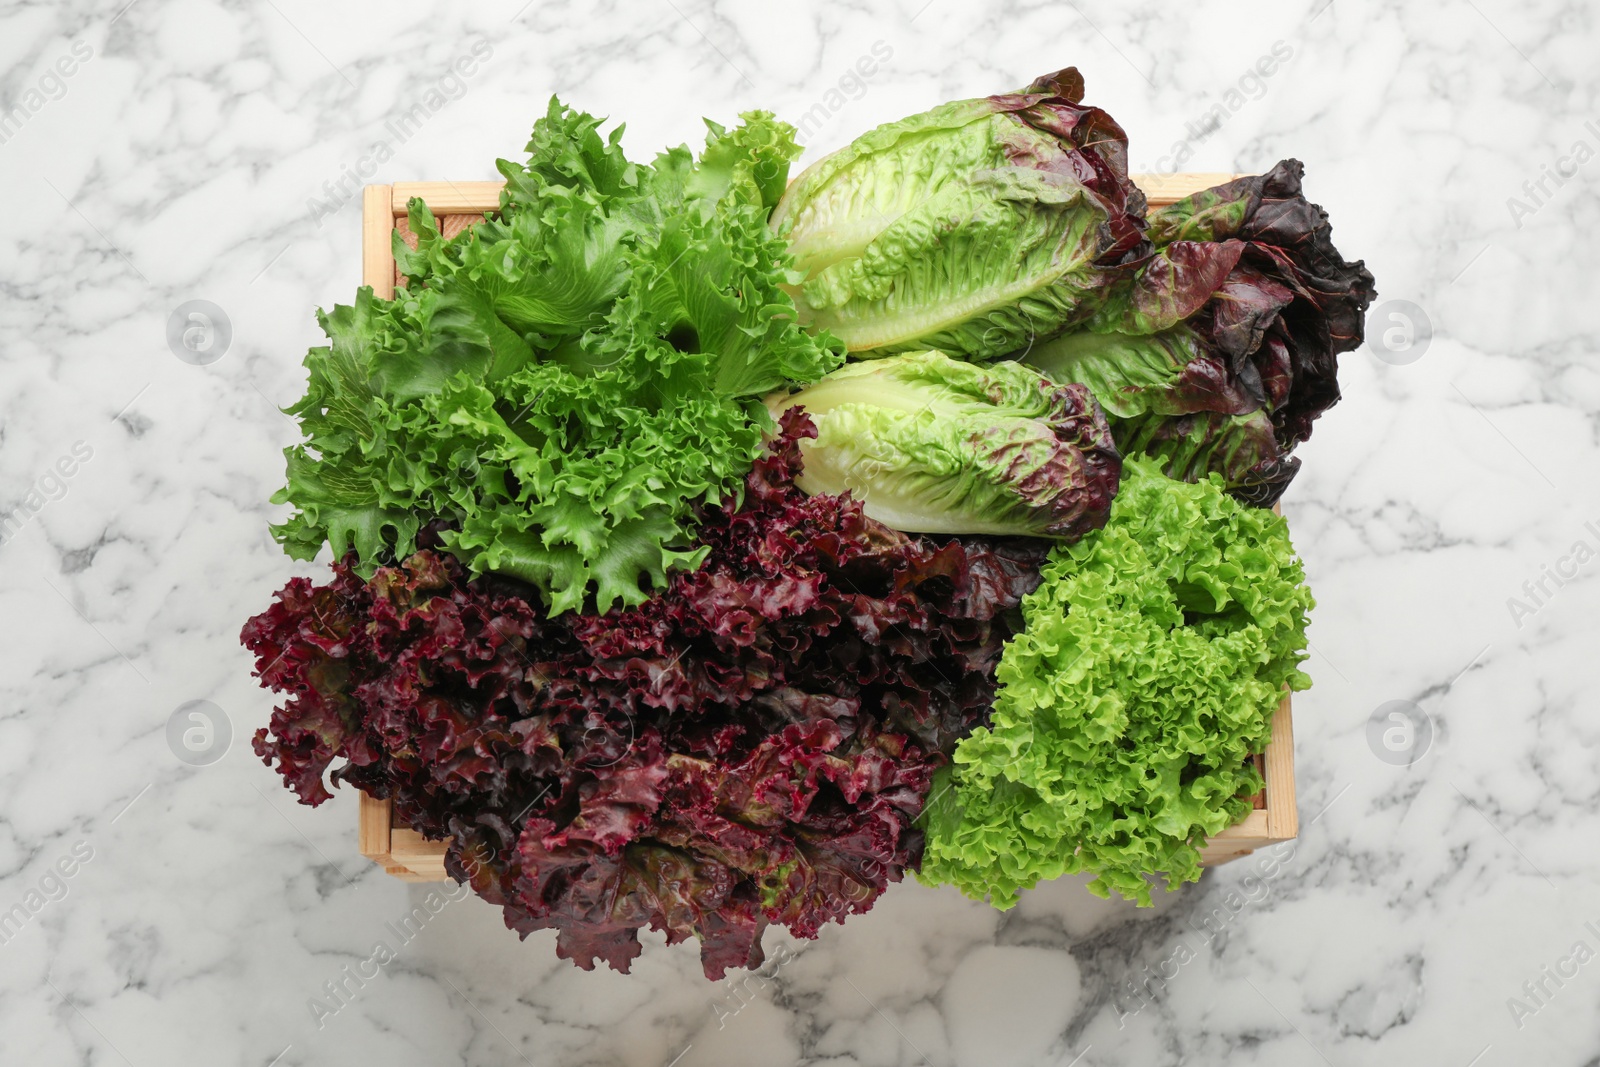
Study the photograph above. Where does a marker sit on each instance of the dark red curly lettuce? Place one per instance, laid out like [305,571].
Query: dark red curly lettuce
[748,747]
[1219,351]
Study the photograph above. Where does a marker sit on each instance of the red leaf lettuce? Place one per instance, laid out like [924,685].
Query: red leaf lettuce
[750,746]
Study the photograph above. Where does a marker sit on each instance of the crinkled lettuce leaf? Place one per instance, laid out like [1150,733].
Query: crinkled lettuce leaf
[931,444]
[1219,351]
[1153,655]
[564,383]
[972,228]
[748,747]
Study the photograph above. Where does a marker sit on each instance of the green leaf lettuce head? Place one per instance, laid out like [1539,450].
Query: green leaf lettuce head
[1152,657]
[972,228]
[565,383]
[931,444]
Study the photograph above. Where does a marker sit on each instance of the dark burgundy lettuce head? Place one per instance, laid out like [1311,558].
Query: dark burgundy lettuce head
[1220,350]
[1290,305]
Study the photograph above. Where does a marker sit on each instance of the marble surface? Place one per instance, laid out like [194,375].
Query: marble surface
[1443,912]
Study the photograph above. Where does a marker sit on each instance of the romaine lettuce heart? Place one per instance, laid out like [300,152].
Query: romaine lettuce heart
[973,228]
[931,444]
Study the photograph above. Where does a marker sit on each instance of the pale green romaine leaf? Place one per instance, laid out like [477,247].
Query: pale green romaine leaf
[936,445]
[979,269]
[976,228]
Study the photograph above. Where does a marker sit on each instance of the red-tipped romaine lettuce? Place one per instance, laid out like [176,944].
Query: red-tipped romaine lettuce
[1219,352]
[972,228]
[930,444]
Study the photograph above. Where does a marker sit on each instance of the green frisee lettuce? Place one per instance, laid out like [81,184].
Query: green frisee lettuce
[565,383]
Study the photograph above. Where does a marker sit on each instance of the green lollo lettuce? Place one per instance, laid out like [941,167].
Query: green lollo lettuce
[1153,655]
[972,228]
[930,444]
[564,384]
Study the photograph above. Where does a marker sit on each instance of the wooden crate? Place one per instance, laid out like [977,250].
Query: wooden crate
[406,854]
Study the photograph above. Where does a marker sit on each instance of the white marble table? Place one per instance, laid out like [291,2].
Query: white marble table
[1430,913]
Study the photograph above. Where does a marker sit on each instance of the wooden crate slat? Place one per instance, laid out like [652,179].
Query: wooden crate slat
[377,257]
[1163,189]
[423,858]
[478,198]
[1238,840]
[1283,817]
[448,198]
[409,856]
[373,829]
[450,225]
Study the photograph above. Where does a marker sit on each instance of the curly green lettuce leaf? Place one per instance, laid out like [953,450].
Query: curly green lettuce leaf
[566,383]
[752,160]
[1152,658]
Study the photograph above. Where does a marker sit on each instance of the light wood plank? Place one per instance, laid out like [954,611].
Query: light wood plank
[372,829]
[406,845]
[1283,817]
[1163,189]
[1279,820]
[451,225]
[377,255]
[1238,840]
[424,859]
[448,198]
